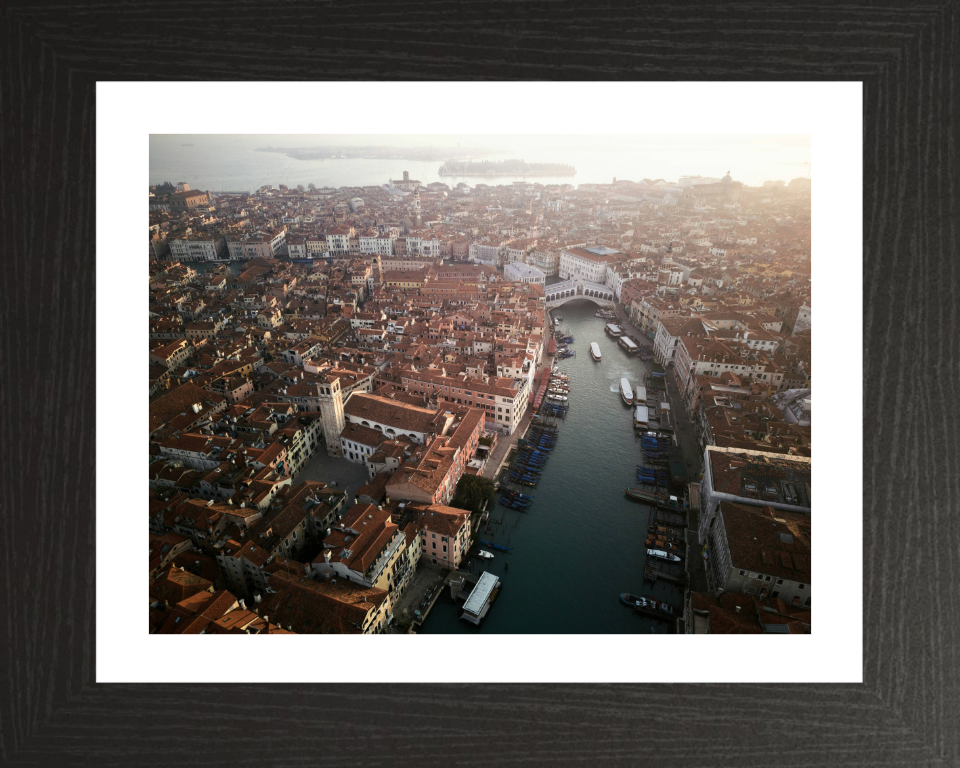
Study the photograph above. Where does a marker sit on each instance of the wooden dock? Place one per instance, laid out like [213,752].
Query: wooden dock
[653,574]
[655,613]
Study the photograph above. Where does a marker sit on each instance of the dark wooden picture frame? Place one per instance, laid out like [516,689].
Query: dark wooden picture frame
[907,711]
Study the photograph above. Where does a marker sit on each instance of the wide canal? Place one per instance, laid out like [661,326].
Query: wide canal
[582,542]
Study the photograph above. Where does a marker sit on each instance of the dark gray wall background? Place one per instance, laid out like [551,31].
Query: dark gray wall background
[906,712]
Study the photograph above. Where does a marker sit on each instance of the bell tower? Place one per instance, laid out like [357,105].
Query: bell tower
[417,220]
[331,411]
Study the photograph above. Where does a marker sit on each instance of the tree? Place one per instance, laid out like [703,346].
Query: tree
[299,187]
[473,492]
[312,187]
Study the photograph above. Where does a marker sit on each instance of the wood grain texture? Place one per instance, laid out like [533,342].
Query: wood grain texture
[907,711]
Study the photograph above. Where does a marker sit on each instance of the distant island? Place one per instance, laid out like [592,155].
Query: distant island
[427,154]
[505,168]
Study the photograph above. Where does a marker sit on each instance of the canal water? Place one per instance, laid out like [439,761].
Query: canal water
[582,542]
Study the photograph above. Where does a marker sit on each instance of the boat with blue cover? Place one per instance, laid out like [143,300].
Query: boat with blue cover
[499,547]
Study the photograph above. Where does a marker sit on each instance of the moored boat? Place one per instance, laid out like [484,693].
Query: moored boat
[595,351]
[634,600]
[499,547]
[653,494]
[613,330]
[626,391]
[661,555]
[484,554]
[557,398]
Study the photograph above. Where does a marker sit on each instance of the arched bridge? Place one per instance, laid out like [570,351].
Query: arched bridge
[559,294]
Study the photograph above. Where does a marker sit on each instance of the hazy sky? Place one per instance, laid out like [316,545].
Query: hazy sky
[739,143]
[752,159]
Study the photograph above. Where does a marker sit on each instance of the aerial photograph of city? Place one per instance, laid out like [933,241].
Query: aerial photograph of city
[517,384]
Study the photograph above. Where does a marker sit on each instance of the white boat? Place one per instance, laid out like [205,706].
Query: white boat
[614,330]
[595,351]
[557,398]
[484,554]
[659,553]
[626,391]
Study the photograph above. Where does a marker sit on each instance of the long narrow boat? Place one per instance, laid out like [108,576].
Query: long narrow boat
[658,499]
[661,555]
[626,391]
[495,546]
[634,600]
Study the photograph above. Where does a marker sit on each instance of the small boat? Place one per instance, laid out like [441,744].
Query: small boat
[626,391]
[634,601]
[499,547]
[484,554]
[595,351]
[557,398]
[660,554]
[640,494]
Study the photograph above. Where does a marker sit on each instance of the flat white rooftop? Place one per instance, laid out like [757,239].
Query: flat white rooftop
[481,593]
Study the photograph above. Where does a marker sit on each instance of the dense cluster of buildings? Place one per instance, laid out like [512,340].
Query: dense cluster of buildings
[400,327]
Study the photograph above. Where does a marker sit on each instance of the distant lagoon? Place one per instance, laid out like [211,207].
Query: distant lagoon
[229,164]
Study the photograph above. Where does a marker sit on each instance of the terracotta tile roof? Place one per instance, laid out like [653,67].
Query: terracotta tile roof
[309,607]
[174,585]
[767,540]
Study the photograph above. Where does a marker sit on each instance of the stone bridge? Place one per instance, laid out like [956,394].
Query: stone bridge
[559,294]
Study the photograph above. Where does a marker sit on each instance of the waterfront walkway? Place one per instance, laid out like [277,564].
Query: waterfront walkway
[685,434]
[505,443]
[426,581]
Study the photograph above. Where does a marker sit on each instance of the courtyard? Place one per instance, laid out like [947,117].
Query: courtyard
[344,474]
